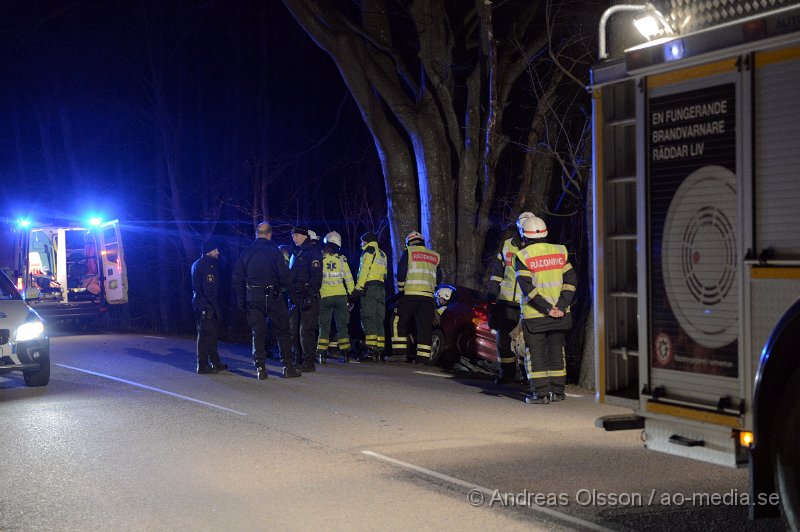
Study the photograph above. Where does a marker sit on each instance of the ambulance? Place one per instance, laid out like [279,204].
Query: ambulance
[696,154]
[65,271]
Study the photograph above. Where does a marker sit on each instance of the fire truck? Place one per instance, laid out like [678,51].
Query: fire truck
[697,247]
[65,271]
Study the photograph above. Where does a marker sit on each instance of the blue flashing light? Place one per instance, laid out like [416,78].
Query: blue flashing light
[95,221]
[23,222]
[674,50]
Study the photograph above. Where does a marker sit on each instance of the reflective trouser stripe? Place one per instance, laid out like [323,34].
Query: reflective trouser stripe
[424,351]
[380,342]
[322,344]
[371,340]
[506,360]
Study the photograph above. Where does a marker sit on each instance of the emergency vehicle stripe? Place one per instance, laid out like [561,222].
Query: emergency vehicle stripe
[777,56]
[695,414]
[775,273]
[702,71]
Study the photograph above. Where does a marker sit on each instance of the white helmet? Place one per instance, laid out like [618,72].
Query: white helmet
[443,295]
[333,238]
[533,228]
[312,235]
[414,235]
[521,218]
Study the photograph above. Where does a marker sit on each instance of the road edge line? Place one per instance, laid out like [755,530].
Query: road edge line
[486,491]
[152,389]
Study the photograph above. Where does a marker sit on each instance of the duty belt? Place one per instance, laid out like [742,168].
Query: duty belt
[269,291]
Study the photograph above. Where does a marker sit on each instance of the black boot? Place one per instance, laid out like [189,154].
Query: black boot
[290,372]
[556,397]
[507,373]
[308,365]
[261,372]
[345,357]
[206,370]
[321,357]
[535,399]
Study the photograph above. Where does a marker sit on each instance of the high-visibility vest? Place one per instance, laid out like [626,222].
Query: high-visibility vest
[421,274]
[546,264]
[336,277]
[508,286]
[372,266]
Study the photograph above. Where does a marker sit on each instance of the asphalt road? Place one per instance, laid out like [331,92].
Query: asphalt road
[126,436]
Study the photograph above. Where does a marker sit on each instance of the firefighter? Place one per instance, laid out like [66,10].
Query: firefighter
[417,276]
[337,285]
[258,277]
[306,267]
[503,299]
[371,291]
[547,284]
[205,302]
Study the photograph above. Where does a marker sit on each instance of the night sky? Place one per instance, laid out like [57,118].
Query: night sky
[101,99]
[128,109]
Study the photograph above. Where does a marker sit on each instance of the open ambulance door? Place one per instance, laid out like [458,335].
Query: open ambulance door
[112,261]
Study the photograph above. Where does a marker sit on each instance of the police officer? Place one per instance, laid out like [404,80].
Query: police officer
[371,291]
[306,268]
[417,276]
[258,278]
[337,285]
[503,298]
[547,283]
[205,302]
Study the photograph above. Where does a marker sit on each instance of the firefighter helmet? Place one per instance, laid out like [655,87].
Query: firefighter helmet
[521,218]
[333,238]
[312,235]
[414,236]
[533,228]
[443,296]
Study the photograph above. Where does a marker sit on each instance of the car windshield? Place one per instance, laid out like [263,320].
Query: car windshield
[7,289]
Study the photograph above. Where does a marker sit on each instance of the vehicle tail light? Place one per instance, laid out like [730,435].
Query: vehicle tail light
[20,284]
[480,314]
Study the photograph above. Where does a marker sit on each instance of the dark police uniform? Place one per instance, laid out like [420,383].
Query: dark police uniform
[306,268]
[205,302]
[258,278]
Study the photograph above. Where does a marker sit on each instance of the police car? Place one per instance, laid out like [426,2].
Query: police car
[24,344]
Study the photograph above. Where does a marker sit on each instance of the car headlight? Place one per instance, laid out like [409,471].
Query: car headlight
[29,330]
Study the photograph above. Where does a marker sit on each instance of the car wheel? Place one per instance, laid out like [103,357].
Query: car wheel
[786,452]
[437,348]
[40,377]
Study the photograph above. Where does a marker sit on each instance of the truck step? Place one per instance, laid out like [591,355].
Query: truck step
[620,422]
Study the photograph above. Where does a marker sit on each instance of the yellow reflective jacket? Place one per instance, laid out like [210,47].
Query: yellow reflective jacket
[420,274]
[503,282]
[546,279]
[372,266]
[336,277]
